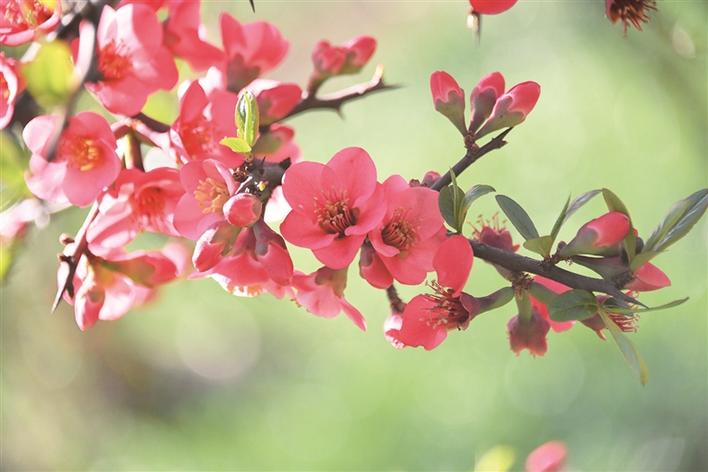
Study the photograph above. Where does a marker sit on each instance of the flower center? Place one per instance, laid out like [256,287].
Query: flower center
[198,137]
[631,12]
[399,232]
[26,13]
[81,153]
[112,64]
[211,195]
[449,311]
[149,206]
[334,216]
[625,323]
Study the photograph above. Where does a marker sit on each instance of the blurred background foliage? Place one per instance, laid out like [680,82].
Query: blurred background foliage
[203,380]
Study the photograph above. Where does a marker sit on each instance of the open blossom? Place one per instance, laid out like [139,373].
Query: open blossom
[136,202]
[244,262]
[252,49]
[132,62]
[208,185]
[350,58]
[275,99]
[21,21]
[10,87]
[548,457]
[426,319]
[410,233]
[491,7]
[107,288]
[322,294]
[596,236]
[203,121]
[334,205]
[448,98]
[493,233]
[85,162]
[185,35]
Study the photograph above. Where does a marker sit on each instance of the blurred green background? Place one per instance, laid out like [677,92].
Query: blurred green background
[203,380]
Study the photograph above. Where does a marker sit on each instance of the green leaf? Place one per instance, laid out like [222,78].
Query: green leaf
[573,305]
[665,306]
[630,352]
[12,171]
[450,202]
[247,117]
[615,204]
[541,245]
[642,258]
[559,221]
[543,293]
[518,217]
[236,145]
[474,193]
[570,208]
[50,75]
[496,300]
[682,216]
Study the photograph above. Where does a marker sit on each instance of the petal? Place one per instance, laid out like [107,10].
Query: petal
[416,326]
[355,173]
[340,253]
[453,262]
[304,233]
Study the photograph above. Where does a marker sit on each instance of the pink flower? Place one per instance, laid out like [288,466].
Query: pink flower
[208,185]
[648,277]
[185,35]
[107,288]
[594,237]
[411,231]
[251,50]
[10,87]
[528,333]
[426,319]
[15,219]
[244,262]
[24,20]
[203,121]
[334,205]
[275,100]
[484,95]
[243,209]
[512,108]
[548,457]
[322,294]
[542,309]
[349,58]
[448,98]
[493,233]
[137,201]
[491,7]
[85,161]
[132,61]
[372,269]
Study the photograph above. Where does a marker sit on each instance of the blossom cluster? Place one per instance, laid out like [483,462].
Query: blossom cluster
[227,182]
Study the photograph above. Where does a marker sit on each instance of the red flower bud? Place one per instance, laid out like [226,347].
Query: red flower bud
[512,108]
[491,7]
[598,235]
[449,98]
[647,278]
[243,209]
[484,96]
[528,334]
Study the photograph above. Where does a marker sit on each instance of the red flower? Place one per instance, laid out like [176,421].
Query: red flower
[132,61]
[137,201]
[203,121]
[349,58]
[491,7]
[334,205]
[426,319]
[493,233]
[243,209]
[275,100]
[410,233]
[85,162]
[251,50]
[322,294]
[512,108]
[596,236]
[548,457]
[185,35]
[449,98]
[542,309]
[528,333]
[23,20]
[10,87]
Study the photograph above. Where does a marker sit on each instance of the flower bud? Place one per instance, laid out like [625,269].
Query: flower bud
[483,98]
[243,209]
[449,98]
[211,246]
[528,334]
[512,108]
[598,235]
[491,7]
[648,277]
[350,58]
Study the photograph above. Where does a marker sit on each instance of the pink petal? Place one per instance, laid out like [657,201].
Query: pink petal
[453,262]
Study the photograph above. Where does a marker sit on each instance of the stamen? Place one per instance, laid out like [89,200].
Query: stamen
[399,232]
[334,215]
[112,64]
[211,195]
